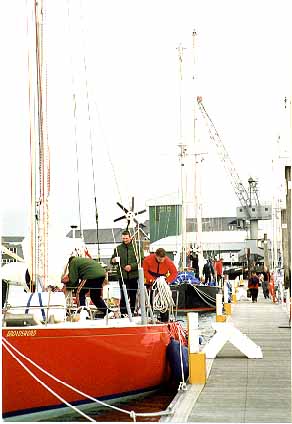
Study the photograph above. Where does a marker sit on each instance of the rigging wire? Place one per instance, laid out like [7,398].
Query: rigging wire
[75,126]
[90,131]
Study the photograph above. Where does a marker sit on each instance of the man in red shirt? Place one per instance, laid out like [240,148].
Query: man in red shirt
[219,269]
[157,265]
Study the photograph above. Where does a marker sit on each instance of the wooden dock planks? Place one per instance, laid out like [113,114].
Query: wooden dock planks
[245,390]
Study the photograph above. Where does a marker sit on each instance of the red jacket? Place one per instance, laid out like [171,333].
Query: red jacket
[253,282]
[219,267]
[154,269]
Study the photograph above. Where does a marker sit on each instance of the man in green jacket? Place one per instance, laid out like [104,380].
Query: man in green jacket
[127,256]
[92,274]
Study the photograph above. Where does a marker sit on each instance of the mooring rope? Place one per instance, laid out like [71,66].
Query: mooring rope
[39,381]
[132,414]
[204,296]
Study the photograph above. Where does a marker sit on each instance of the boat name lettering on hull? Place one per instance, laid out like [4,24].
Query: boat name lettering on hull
[21,333]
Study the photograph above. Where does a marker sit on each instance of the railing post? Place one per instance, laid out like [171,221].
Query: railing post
[142,296]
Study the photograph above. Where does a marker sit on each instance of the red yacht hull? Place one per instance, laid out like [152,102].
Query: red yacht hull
[103,362]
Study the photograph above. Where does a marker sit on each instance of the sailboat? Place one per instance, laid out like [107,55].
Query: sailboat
[51,363]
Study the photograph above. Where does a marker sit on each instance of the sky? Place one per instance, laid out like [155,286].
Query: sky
[120,60]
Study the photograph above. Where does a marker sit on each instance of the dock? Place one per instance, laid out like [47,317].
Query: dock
[239,389]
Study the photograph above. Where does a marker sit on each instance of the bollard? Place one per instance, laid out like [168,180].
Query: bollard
[219,314]
[227,308]
[197,360]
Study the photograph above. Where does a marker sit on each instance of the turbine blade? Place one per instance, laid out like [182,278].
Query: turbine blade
[133,204]
[121,217]
[138,213]
[122,207]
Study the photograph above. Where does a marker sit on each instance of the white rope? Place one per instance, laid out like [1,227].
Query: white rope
[41,382]
[162,295]
[132,414]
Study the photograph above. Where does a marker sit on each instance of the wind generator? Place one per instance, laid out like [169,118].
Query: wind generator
[130,214]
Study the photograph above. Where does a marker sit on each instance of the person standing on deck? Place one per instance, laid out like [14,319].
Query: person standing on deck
[126,256]
[158,265]
[194,263]
[208,271]
[253,285]
[86,274]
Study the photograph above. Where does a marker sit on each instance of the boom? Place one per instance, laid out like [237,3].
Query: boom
[239,189]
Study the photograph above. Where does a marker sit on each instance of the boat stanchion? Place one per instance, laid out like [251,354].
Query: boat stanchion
[197,359]
[142,295]
[124,288]
[219,309]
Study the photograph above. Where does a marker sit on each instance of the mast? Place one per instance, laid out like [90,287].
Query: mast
[182,156]
[198,160]
[39,150]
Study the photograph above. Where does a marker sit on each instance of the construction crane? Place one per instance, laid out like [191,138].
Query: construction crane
[250,209]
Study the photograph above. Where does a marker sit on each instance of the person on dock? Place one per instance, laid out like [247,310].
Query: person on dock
[266,282]
[253,285]
[86,274]
[208,271]
[157,265]
[126,257]
[219,269]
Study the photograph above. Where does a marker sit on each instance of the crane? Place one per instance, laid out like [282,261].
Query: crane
[250,209]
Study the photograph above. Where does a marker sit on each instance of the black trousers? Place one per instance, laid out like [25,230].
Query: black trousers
[207,278]
[254,294]
[132,287]
[265,286]
[95,292]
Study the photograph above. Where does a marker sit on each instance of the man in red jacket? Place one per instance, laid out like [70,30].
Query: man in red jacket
[157,265]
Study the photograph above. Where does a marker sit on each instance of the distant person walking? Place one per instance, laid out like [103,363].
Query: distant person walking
[126,257]
[253,285]
[266,282]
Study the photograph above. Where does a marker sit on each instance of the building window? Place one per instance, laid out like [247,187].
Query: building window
[11,249]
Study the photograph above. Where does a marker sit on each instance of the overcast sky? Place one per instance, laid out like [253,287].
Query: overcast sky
[125,52]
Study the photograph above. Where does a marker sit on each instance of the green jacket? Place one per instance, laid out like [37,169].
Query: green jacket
[127,254]
[84,269]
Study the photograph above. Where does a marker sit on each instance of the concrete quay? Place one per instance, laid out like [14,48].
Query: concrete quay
[242,390]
